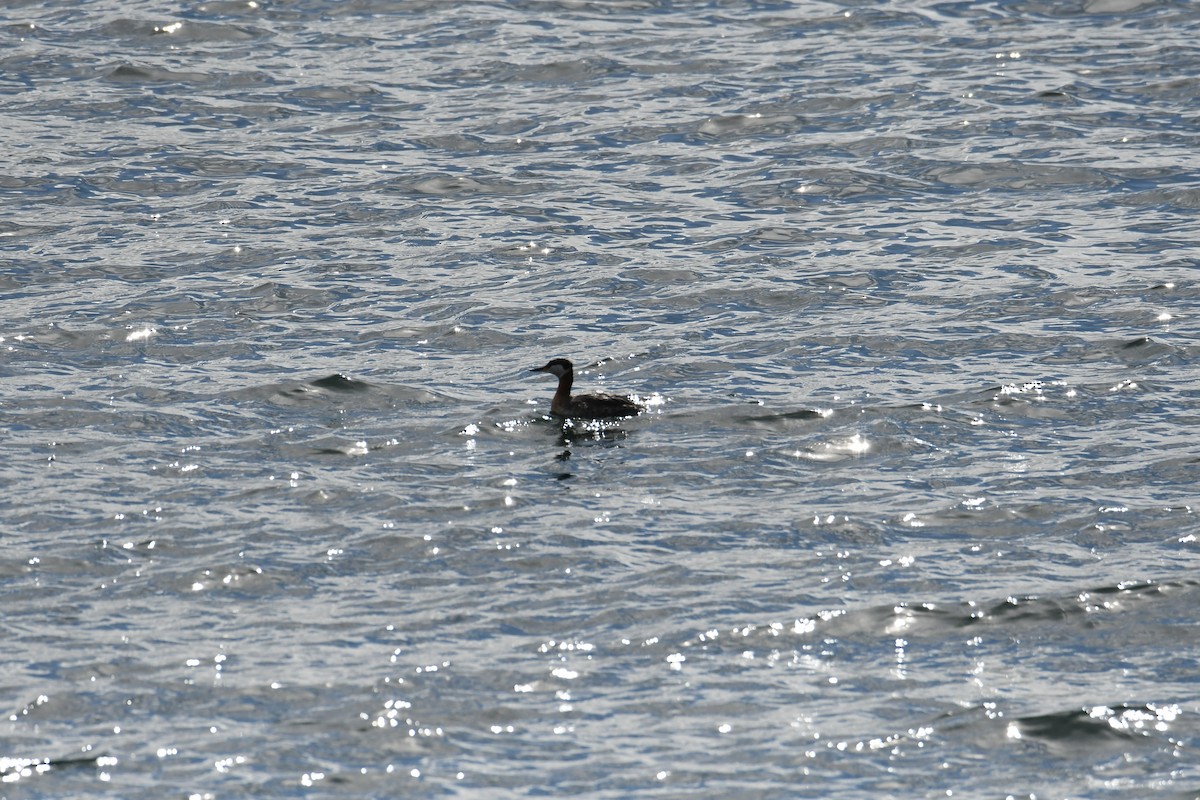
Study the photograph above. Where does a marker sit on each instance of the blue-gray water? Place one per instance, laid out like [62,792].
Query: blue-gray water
[913,287]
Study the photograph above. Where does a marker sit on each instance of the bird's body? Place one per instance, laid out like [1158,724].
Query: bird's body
[584,406]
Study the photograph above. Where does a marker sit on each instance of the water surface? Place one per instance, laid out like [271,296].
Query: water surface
[912,288]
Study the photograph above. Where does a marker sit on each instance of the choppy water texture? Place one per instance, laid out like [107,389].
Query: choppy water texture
[915,288]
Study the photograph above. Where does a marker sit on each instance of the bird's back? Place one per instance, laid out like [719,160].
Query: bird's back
[600,406]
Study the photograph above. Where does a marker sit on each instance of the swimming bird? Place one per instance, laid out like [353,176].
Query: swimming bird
[584,406]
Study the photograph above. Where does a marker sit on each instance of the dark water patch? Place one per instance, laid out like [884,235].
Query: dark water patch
[337,389]
[1099,725]
[19,768]
[128,73]
[340,383]
[181,31]
[1088,607]
[1029,618]
[784,421]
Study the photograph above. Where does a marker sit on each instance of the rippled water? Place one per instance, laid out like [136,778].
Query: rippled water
[913,286]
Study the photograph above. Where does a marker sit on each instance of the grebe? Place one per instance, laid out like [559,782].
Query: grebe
[585,406]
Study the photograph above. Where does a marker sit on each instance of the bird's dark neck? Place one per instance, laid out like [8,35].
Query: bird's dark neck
[562,397]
